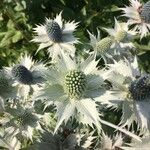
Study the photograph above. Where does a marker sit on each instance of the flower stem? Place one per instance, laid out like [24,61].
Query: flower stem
[121,129]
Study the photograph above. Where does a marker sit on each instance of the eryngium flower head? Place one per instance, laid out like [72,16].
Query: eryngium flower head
[140,88]
[27,75]
[22,74]
[138,14]
[117,43]
[21,120]
[71,86]
[56,35]
[122,36]
[74,89]
[54,31]
[131,90]
[103,47]
[75,83]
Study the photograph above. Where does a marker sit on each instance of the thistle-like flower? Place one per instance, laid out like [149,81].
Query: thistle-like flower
[103,47]
[27,75]
[56,35]
[116,44]
[122,36]
[20,121]
[138,14]
[131,92]
[108,143]
[72,88]
[73,141]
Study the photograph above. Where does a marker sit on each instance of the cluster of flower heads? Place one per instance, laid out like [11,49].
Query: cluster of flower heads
[37,99]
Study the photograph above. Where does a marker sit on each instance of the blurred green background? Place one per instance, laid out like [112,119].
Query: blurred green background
[18,17]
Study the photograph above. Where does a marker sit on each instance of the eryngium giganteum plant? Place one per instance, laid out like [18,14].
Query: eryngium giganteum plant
[72,88]
[89,87]
[56,35]
[130,92]
[139,15]
[27,75]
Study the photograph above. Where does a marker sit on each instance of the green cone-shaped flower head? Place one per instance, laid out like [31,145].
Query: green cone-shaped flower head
[104,45]
[121,35]
[54,31]
[75,83]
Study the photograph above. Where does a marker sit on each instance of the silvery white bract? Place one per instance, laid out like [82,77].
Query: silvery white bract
[139,15]
[56,35]
[108,143]
[72,141]
[27,75]
[130,92]
[122,36]
[72,88]
[20,121]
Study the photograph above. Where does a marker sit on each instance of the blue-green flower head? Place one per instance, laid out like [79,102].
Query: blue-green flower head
[54,31]
[75,83]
